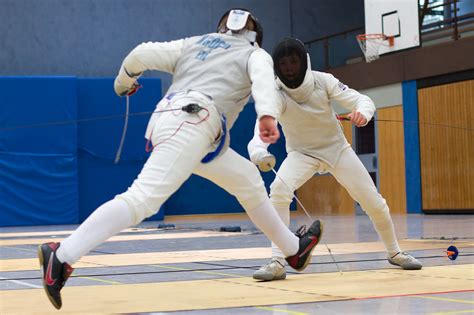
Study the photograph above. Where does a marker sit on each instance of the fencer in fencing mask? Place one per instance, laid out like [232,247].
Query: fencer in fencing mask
[241,21]
[291,62]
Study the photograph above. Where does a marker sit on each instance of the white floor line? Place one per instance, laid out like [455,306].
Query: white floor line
[23,283]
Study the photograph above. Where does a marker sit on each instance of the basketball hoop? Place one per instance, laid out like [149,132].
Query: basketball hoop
[370,44]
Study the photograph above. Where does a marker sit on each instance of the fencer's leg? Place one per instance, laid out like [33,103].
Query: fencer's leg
[169,165]
[241,178]
[109,219]
[352,175]
[295,170]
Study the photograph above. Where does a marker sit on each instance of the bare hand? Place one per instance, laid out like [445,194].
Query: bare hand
[269,132]
[357,118]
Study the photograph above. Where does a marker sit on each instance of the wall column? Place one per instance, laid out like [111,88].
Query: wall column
[412,146]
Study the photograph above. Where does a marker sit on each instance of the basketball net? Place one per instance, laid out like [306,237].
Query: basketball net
[371,43]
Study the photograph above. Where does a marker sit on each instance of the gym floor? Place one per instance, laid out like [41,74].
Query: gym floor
[189,266]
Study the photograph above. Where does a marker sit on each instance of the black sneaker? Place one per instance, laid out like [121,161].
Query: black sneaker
[54,272]
[308,241]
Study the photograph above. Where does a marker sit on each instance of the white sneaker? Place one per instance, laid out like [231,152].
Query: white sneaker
[406,261]
[274,270]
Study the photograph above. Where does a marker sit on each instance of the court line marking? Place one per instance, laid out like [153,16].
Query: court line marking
[100,280]
[453,312]
[253,284]
[272,309]
[26,284]
[412,295]
[267,286]
[120,237]
[444,299]
[200,271]
[68,232]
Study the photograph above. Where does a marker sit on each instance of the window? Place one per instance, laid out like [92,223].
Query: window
[434,14]
[365,139]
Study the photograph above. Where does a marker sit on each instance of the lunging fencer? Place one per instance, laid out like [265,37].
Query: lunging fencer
[216,72]
[315,143]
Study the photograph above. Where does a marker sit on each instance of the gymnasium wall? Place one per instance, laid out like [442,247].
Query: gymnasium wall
[390,144]
[424,134]
[58,143]
[447,153]
[38,168]
[58,139]
[61,174]
[90,38]
[391,157]
[98,140]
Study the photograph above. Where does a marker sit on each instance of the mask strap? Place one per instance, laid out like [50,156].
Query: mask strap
[250,35]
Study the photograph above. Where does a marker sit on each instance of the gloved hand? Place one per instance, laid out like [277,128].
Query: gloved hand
[125,83]
[121,89]
[264,160]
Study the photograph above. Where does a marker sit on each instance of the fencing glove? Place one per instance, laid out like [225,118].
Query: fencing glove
[264,160]
[125,84]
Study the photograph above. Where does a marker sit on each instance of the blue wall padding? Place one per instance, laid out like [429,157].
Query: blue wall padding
[412,146]
[37,100]
[38,189]
[59,174]
[99,178]
[38,165]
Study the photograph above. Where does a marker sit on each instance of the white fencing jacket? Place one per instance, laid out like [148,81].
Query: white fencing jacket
[308,120]
[225,67]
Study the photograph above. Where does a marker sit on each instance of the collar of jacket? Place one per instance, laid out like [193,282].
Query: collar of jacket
[302,93]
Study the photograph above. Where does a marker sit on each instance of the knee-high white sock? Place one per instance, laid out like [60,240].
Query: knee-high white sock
[267,220]
[109,219]
[384,226]
[284,213]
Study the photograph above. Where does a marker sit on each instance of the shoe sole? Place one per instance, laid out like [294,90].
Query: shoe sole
[406,268]
[321,228]
[45,287]
[271,278]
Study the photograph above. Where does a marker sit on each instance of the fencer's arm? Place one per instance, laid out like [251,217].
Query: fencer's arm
[256,146]
[349,98]
[258,151]
[161,56]
[264,91]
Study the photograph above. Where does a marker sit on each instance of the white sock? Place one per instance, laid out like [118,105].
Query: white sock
[267,220]
[109,219]
[284,213]
[384,226]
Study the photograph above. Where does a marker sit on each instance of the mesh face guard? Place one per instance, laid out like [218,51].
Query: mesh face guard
[241,21]
[290,61]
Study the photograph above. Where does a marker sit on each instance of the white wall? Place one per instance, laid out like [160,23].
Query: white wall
[383,96]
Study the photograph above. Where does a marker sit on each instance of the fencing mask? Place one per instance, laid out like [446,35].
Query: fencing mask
[290,61]
[241,21]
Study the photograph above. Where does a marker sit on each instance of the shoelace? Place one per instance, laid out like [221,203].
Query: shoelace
[278,263]
[392,257]
[272,261]
[301,231]
[408,257]
[404,256]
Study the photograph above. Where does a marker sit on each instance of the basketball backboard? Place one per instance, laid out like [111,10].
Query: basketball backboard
[397,18]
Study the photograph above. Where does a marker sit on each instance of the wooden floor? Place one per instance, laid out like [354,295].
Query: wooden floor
[140,271]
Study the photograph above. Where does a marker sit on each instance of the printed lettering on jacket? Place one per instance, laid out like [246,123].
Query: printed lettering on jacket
[210,43]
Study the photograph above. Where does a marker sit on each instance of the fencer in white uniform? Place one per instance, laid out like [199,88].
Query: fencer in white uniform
[315,143]
[213,78]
